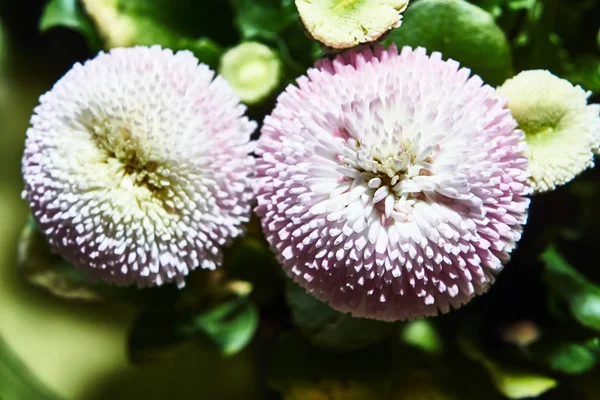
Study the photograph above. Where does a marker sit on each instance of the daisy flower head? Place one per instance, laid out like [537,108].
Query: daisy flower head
[137,166]
[561,129]
[391,185]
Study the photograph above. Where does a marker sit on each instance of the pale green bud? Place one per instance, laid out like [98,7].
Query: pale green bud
[253,70]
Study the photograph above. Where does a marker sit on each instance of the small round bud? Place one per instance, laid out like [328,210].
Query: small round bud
[253,70]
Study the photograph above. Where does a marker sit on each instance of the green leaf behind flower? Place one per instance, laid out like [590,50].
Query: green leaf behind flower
[460,31]
[263,19]
[494,7]
[176,25]
[423,335]
[46,270]
[570,358]
[230,325]
[331,329]
[581,296]
[512,382]
[585,71]
[67,13]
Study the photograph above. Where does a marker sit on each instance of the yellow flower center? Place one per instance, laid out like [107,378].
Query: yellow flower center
[126,149]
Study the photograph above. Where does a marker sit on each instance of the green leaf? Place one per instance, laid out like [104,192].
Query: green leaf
[460,31]
[204,48]
[581,296]
[423,335]
[17,382]
[183,18]
[521,4]
[494,7]
[537,45]
[571,358]
[231,326]
[181,25]
[148,33]
[50,272]
[331,329]
[512,382]
[67,13]
[585,71]
[263,19]
[519,384]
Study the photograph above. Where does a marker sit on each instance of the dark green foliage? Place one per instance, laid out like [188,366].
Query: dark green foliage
[68,14]
[331,329]
[460,31]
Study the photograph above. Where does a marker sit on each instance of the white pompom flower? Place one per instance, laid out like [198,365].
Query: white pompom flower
[561,129]
[392,185]
[137,166]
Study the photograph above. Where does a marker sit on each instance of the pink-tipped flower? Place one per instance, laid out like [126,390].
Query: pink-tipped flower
[137,166]
[392,186]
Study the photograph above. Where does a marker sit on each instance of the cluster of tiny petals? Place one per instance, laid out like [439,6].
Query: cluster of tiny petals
[137,166]
[392,186]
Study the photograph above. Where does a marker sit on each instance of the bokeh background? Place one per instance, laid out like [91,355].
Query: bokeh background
[535,334]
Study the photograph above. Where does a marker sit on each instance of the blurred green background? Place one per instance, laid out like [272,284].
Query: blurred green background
[535,334]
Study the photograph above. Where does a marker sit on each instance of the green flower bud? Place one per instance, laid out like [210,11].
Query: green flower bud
[253,70]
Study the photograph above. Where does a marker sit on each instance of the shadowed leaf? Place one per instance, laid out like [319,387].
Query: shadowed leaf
[68,14]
